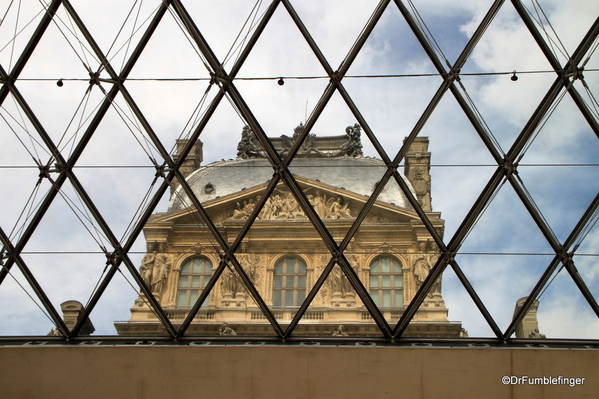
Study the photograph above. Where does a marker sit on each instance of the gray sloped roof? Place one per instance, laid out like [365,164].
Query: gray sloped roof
[356,174]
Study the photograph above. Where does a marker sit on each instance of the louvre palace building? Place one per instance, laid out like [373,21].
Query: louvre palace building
[283,254]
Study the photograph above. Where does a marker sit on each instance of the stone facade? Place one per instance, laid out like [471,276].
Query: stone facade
[283,255]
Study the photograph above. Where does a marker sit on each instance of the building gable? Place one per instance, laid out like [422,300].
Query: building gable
[328,201]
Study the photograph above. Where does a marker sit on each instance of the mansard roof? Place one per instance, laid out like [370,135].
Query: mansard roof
[355,174]
[336,161]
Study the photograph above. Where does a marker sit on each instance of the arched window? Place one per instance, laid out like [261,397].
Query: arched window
[386,282]
[193,278]
[289,286]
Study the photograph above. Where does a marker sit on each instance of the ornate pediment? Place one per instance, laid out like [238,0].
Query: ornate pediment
[282,205]
[329,202]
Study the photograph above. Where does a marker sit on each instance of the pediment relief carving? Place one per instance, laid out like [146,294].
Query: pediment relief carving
[328,201]
[282,205]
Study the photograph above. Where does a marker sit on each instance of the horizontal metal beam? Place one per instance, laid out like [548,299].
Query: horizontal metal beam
[270,340]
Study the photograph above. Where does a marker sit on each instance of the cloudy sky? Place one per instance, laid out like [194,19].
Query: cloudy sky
[503,256]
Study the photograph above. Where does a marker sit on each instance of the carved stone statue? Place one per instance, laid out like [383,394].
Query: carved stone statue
[154,270]
[336,210]
[422,187]
[231,283]
[423,266]
[433,255]
[536,334]
[249,207]
[289,208]
[346,287]
[160,271]
[225,329]
[335,279]
[353,146]
[242,212]
[340,285]
[319,204]
[239,213]
[339,331]
[249,146]
[307,147]
[147,265]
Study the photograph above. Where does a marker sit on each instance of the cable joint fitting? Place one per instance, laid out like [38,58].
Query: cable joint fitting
[454,75]
[213,79]
[575,73]
[221,78]
[279,170]
[113,258]
[337,256]
[4,255]
[46,170]
[567,258]
[162,170]
[510,168]
[336,78]
[451,257]
[94,78]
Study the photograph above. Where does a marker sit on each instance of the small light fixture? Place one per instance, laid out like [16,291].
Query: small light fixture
[514,77]
[281,82]
[59,83]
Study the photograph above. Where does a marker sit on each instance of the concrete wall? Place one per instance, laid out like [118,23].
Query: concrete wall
[291,372]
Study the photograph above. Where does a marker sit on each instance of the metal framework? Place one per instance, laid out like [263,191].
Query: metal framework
[59,169]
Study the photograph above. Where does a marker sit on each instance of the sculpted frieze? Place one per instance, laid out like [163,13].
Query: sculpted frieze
[282,205]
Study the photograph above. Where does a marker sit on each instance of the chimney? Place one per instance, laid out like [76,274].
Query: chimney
[71,313]
[417,167]
[192,161]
